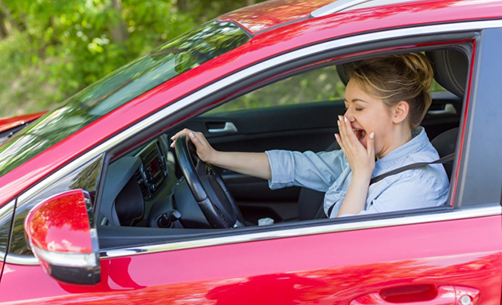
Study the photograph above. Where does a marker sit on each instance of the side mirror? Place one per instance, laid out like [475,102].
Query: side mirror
[62,235]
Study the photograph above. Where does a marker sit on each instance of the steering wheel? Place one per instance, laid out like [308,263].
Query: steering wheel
[207,187]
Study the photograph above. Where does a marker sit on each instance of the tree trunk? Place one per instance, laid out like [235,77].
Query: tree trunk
[3,29]
[118,32]
[9,17]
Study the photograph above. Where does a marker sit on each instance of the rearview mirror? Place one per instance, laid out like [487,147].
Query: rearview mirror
[62,235]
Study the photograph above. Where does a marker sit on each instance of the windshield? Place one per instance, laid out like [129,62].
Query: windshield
[163,63]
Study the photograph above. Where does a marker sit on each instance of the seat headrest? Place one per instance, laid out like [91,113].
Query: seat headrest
[341,70]
[450,69]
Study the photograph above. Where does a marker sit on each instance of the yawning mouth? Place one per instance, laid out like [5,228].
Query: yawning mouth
[360,133]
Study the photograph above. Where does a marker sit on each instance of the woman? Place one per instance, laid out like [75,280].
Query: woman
[386,99]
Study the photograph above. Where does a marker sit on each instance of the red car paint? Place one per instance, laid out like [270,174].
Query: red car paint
[262,46]
[317,268]
[11,122]
[57,222]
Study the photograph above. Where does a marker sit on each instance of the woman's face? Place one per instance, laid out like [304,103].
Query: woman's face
[369,114]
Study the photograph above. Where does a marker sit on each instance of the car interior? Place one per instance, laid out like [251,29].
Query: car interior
[153,191]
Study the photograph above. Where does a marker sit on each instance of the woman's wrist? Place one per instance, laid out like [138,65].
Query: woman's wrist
[362,176]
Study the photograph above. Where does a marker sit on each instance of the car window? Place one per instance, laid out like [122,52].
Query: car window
[167,61]
[86,178]
[320,85]
[162,192]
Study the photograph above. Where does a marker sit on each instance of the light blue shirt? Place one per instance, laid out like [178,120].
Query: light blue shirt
[330,172]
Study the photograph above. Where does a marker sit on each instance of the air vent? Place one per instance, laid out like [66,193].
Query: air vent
[142,184]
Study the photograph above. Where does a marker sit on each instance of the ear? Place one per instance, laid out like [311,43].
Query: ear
[400,112]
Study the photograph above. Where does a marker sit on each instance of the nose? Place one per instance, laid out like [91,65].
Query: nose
[348,114]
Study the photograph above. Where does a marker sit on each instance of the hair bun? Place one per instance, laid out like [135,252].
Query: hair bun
[421,66]
[404,77]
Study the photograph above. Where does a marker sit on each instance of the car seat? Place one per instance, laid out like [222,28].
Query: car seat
[451,68]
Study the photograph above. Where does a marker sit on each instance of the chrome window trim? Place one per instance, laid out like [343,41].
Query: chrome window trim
[348,5]
[255,69]
[336,6]
[457,214]
[6,209]
[21,259]
[5,212]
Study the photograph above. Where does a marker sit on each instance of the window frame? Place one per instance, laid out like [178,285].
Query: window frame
[226,88]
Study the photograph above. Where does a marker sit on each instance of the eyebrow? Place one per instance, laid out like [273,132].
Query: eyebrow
[356,100]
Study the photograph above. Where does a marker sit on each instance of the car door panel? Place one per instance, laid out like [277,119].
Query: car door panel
[330,268]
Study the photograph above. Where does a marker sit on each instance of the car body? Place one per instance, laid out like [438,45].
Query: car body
[94,187]
[10,125]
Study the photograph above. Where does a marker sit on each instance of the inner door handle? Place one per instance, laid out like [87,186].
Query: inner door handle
[448,109]
[420,295]
[228,128]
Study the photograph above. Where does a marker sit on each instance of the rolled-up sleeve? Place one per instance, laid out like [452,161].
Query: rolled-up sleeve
[316,171]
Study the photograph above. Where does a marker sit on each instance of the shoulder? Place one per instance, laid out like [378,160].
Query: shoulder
[416,188]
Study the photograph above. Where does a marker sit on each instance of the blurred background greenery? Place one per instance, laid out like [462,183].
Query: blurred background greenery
[51,49]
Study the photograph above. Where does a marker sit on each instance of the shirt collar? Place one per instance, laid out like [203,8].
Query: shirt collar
[418,142]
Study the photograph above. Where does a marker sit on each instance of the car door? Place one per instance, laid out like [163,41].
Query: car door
[432,256]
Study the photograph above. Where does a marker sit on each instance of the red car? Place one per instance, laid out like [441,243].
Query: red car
[95,207]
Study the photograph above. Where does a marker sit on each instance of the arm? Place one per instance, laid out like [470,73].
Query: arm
[361,161]
[253,164]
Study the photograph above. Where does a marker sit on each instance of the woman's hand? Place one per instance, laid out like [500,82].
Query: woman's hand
[253,164]
[204,150]
[361,160]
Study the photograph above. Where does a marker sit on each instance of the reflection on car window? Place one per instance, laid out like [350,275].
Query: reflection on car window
[167,61]
[86,177]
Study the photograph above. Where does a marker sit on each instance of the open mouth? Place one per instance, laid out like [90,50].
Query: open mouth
[360,133]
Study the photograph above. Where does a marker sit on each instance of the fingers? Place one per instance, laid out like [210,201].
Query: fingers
[370,145]
[346,139]
[185,132]
[204,149]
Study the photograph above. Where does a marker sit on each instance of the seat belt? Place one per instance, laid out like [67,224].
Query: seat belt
[447,158]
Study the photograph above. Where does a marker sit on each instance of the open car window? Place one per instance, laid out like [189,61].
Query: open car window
[144,189]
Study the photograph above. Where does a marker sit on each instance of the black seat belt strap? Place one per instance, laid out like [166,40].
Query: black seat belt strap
[447,158]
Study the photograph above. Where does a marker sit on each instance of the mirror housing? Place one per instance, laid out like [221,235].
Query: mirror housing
[62,235]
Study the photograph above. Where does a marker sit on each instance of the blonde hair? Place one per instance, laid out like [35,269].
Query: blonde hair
[395,78]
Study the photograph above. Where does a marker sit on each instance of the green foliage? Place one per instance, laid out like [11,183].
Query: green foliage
[60,47]
[56,48]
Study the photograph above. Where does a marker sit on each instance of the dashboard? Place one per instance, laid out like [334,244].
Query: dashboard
[152,172]
[136,182]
